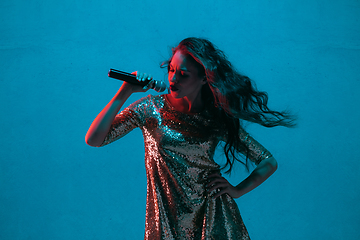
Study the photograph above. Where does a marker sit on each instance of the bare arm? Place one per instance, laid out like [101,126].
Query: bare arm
[102,123]
[262,172]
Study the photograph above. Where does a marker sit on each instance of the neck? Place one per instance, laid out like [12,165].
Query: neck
[187,105]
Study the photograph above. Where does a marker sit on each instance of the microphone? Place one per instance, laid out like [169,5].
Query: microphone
[159,86]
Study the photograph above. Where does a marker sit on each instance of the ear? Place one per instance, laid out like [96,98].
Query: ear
[204,80]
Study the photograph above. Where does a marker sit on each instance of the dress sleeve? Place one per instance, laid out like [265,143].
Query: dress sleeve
[257,152]
[128,119]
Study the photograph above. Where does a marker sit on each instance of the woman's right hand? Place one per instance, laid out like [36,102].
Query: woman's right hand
[140,77]
[101,125]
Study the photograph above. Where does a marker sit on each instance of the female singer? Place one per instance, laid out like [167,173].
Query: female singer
[187,197]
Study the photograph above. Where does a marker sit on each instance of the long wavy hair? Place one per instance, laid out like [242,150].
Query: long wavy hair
[234,96]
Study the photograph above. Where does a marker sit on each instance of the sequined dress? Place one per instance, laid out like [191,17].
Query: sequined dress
[179,150]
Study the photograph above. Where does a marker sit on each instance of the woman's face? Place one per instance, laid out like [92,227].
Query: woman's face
[184,77]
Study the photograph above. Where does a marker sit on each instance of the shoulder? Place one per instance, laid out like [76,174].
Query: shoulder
[147,103]
[142,101]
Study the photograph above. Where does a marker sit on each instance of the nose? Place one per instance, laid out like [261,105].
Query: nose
[173,78]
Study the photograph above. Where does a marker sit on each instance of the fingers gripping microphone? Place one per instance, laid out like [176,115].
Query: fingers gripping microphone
[158,86]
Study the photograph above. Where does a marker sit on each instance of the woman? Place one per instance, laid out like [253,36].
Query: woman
[187,198]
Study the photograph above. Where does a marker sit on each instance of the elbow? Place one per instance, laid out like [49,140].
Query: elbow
[269,165]
[92,142]
[275,168]
[273,163]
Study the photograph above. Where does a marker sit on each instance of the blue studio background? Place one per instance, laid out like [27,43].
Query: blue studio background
[54,58]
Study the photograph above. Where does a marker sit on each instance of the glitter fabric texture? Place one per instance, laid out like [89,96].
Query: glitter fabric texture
[179,150]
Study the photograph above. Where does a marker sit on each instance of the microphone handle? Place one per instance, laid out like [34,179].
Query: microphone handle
[127,77]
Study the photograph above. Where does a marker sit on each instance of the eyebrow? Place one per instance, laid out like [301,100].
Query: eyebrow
[182,69]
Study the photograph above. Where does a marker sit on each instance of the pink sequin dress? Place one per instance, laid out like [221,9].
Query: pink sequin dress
[179,150]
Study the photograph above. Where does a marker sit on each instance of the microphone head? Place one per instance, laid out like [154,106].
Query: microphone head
[159,86]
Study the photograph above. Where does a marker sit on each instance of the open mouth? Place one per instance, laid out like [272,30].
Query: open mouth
[173,88]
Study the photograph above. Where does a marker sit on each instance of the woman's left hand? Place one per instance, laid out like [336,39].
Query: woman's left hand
[219,182]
